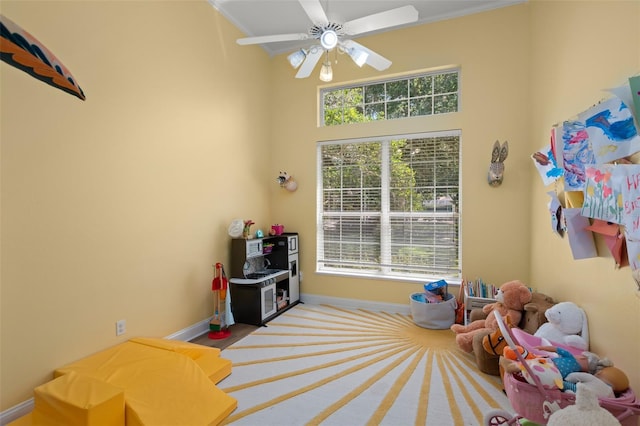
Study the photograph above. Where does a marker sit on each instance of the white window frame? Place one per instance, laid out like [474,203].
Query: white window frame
[385,270]
[387,99]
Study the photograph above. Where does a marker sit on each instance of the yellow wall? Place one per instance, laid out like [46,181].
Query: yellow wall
[117,207]
[579,49]
[492,51]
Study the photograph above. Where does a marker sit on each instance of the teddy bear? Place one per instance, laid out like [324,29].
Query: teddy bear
[567,325]
[511,298]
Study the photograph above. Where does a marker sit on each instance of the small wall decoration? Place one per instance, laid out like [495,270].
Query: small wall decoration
[555,211]
[496,169]
[20,49]
[286,181]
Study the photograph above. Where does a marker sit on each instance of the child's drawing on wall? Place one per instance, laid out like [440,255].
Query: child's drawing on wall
[630,188]
[612,131]
[577,155]
[603,194]
[546,165]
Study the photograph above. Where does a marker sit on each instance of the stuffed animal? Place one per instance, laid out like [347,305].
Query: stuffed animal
[536,309]
[585,412]
[567,325]
[511,298]
[533,318]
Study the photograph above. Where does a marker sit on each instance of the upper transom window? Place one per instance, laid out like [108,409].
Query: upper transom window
[418,95]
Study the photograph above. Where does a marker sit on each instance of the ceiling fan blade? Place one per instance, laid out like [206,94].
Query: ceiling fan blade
[377,21]
[374,60]
[314,11]
[309,63]
[272,38]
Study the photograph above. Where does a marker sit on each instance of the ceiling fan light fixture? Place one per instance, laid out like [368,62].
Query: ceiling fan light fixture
[326,73]
[329,39]
[297,58]
[359,56]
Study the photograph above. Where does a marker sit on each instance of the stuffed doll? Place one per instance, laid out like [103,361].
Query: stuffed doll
[567,325]
[588,368]
[510,301]
[606,382]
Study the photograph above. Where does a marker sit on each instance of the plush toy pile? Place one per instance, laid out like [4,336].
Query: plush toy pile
[511,299]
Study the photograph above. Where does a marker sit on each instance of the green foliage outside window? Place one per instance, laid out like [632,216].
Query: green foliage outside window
[409,97]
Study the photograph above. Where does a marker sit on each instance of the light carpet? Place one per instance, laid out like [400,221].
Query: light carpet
[324,365]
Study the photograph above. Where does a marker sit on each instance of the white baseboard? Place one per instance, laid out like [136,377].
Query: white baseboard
[314,299]
[17,411]
[202,327]
[191,332]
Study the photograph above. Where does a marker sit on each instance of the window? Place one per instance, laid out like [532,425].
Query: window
[418,95]
[389,207]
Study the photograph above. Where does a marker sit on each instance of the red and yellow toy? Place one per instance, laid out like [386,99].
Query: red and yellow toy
[218,327]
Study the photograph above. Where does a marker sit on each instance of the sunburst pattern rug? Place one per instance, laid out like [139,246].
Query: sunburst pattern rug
[323,365]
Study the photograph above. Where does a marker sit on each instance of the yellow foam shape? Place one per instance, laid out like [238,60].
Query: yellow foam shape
[206,357]
[162,387]
[214,367]
[192,350]
[74,399]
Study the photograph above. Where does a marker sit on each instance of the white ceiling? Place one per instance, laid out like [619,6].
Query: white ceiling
[269,17]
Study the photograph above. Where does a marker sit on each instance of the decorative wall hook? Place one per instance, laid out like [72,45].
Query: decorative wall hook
[286,181]
[496,169]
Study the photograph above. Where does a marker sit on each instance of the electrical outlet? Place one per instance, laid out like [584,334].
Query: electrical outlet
[121,327]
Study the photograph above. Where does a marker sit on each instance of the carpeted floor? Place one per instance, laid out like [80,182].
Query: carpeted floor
[323,365]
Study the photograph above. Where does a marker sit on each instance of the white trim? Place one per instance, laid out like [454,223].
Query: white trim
[17,411]
[314,299]
[375,268]
[191,332]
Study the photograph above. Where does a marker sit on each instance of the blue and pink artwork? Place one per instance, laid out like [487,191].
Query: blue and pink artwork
[572,145]
[612,131]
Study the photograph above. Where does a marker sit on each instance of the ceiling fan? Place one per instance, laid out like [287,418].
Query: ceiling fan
[327,35]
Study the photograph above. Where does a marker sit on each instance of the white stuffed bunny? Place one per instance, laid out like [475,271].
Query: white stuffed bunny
[567,326]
